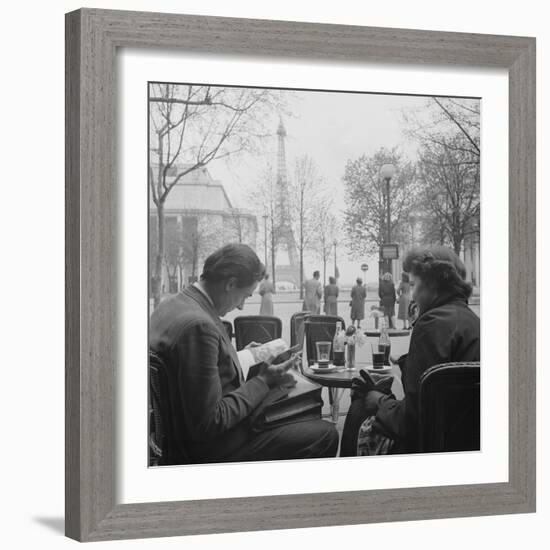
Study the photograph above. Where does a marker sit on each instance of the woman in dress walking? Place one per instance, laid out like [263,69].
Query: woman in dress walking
[358,297]
[404,293]
[386,293]
[331,297]
[266,291]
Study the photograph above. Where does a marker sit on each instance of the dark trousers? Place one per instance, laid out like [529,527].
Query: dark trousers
[308,439]
[357,414]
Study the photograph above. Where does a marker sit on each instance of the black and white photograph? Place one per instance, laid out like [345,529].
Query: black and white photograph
[313,274]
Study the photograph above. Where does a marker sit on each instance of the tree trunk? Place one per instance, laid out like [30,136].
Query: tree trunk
[273,251]
[157,277]
[301,273]
[457,244]
[195,261]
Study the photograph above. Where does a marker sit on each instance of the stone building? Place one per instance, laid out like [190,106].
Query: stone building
[198,219]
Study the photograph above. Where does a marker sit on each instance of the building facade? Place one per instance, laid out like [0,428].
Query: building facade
[198,218]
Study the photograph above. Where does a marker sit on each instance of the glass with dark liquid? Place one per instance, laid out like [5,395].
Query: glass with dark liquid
[377,357]
[385,349]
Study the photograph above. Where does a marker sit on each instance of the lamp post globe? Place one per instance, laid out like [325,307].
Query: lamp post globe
[387,171]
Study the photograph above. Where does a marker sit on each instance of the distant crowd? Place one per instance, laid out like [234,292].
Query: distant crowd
[314,293]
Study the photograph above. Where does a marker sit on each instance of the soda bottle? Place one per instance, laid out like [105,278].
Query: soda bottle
[338,346]
[384,344]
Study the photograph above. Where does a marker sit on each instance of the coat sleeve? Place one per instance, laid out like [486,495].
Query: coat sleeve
[208,413]
[431,344]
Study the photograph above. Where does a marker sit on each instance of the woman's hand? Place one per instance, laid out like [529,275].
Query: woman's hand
[372,400]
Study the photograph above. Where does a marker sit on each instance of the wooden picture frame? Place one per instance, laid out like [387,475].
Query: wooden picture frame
[92,39]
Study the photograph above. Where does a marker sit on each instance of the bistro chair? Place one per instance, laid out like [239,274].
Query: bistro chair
[449,408]
[164,447]
[297,327]
[256,328]
[319,328]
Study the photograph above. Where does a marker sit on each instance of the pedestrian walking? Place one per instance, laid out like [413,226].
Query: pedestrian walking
[404,293]
[358,297]
[331,297]
[313,292]
[386,293]
[266,291]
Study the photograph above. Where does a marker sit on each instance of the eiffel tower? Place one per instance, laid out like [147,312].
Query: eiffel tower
[287,262]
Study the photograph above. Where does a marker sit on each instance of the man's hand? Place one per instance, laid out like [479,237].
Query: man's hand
[278,375]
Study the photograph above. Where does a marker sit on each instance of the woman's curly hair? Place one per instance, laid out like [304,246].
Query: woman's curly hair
[440,269]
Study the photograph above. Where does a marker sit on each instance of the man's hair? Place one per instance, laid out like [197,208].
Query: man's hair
[233,260]
[316,274]
[359,281]
[439,268]
[332,280]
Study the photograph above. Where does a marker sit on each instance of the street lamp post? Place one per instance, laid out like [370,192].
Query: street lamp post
[273,250]
[335,267]
[265,238]
[387,171]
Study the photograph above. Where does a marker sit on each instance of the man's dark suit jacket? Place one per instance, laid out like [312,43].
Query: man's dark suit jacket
[210,399]
[447,332]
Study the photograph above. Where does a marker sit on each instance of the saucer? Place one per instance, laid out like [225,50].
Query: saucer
[320,370]
[384,370]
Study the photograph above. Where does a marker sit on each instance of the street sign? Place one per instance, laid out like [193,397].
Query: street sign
[364,267]
[389,251]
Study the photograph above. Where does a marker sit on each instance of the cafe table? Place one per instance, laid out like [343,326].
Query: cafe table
[339,380]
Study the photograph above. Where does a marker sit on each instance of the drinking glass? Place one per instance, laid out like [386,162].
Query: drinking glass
[323,352]
[377,357]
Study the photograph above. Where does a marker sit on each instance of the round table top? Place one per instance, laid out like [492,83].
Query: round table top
[391,333]
[342,378]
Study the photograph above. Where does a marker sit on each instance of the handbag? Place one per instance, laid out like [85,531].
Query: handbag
[370,441]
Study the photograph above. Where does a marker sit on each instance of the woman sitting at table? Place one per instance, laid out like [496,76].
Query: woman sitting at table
[446,330]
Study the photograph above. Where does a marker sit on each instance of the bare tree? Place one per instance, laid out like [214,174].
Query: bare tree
[450,192]
[448,133]
[326,232]
[365,196]
[305,188]
[199,242]
[191,126]
[445,117]
[263,195]
[237,225]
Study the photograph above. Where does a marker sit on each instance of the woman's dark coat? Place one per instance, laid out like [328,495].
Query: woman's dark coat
[447,332]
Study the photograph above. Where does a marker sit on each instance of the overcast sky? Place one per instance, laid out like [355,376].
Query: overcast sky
[331,128]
